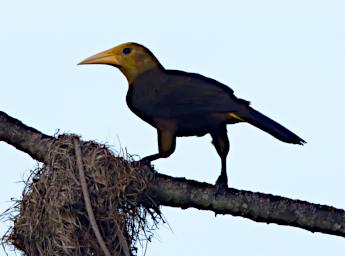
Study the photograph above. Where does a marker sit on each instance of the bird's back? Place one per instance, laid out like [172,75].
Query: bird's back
[172,93]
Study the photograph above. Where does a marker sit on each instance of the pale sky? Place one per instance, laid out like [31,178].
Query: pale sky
[286,57]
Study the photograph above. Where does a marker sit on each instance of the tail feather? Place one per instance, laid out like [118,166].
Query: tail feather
[272,127]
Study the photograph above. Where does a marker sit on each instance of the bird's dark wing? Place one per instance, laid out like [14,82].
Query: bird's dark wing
[175,93]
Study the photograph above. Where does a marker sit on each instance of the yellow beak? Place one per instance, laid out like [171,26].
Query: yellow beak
[106,57]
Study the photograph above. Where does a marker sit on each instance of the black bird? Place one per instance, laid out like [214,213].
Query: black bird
[178,103]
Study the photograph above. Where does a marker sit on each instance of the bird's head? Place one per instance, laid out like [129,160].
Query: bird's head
[131,58]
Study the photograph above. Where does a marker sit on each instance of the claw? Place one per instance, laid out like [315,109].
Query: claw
[221,184]
[141,162]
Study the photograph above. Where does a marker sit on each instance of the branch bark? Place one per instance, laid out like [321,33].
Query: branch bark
[24,138]
[183,193]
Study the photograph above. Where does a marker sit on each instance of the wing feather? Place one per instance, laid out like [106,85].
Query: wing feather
[177,93]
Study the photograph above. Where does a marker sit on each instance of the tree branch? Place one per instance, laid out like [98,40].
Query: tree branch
[183,193]
[260,207]
[24,138]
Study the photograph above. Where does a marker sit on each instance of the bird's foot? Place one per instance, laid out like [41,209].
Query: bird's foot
[221,184]
[142,162]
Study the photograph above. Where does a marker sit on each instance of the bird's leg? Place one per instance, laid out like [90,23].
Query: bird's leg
[166,146]
[221,143]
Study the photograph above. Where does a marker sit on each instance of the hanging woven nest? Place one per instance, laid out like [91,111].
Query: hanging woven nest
[52,218]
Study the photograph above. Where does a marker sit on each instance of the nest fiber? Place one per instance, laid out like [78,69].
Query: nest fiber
[52,219]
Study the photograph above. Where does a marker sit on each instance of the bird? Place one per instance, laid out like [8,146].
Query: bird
[179,104]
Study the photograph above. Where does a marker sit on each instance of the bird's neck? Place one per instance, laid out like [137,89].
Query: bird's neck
[149,80]
[138,69]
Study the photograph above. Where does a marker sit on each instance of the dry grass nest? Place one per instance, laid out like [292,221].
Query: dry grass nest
[52,219]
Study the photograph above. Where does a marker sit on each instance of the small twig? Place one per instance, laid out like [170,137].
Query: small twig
[87,199]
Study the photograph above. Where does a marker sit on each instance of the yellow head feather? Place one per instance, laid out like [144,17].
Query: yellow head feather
[131,58]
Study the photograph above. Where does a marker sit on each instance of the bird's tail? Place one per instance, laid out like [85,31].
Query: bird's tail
[272,127]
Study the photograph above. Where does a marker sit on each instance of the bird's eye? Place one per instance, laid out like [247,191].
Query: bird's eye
[126,50]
